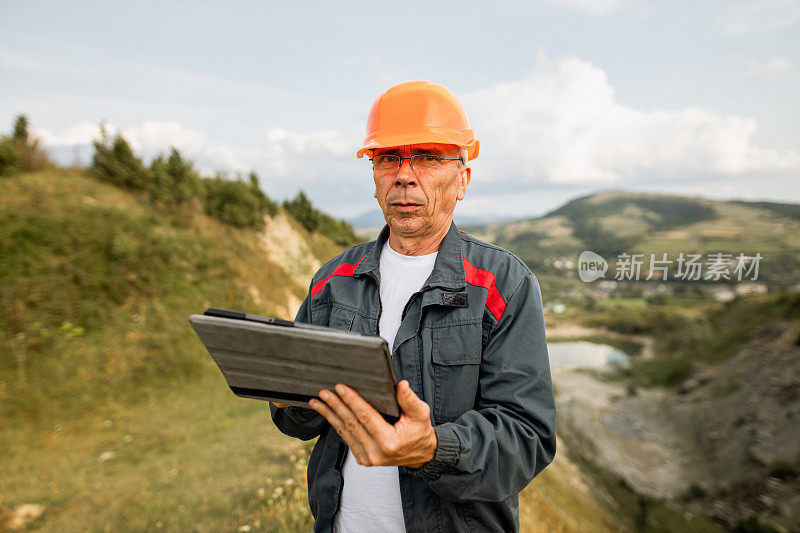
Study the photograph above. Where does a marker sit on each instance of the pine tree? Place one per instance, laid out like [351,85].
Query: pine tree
[115,162]
[185,181]
[30,155]
[20,134]
[301,209]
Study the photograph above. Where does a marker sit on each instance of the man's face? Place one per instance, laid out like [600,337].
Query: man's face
[419,203]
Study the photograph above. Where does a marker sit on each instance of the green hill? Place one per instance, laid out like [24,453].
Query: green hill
[615,222]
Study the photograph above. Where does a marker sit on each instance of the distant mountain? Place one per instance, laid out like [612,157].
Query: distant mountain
[614,222]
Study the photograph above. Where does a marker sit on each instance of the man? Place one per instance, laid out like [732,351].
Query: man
[464,322]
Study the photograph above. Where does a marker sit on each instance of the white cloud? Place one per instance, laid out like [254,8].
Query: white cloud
[745,16]
[81,133]
[152,135]
[561,124]
[773,70]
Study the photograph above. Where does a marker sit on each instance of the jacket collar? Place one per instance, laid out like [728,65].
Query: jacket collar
[448,269]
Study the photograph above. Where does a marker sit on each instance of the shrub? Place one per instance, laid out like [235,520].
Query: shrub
[9,158]
[114,161]
[783,470]
[339,231]
[267,204]
[173,180]
[657,299]
[694,492]
[301,209]
[234,202]
[22,151]
[160,183]
[185,181]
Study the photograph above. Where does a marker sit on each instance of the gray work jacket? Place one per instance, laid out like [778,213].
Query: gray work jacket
[472,345]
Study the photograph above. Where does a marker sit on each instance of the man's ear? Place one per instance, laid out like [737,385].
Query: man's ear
[464,177]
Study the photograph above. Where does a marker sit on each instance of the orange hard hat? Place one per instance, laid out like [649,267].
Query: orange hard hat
[418,112]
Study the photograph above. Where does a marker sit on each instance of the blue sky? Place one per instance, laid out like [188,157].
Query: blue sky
[566,96]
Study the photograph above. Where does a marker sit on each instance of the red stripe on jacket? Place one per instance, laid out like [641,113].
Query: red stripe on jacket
[484,278]
[345,269]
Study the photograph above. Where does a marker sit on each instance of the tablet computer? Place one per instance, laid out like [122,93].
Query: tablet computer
[274,359]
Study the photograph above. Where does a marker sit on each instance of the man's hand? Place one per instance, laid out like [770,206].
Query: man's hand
[411,441]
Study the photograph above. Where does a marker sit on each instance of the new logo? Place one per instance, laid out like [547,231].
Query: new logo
[591,266]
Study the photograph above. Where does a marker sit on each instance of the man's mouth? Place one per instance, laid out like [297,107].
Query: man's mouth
[405,207]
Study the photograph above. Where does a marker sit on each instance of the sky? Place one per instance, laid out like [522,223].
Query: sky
[567,97]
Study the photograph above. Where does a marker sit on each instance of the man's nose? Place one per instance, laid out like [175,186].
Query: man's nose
[405,174]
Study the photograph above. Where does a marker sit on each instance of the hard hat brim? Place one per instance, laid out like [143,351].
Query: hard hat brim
[403,140]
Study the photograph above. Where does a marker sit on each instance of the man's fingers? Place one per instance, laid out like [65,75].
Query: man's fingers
[341,428]
[332,418]
[348,417]
[410,403]
[366,415]
[373,441]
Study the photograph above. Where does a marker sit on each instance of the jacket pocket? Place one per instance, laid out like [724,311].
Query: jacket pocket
[456,356]
[341,319]
[333,316]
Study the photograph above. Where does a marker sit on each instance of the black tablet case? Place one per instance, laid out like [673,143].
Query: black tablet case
[273,359]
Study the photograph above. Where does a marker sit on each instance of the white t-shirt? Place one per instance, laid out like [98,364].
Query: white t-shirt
[371,494]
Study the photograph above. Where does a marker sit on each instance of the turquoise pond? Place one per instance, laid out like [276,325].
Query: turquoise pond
[565,354]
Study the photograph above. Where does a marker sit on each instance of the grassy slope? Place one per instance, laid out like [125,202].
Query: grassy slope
[96,287]
[709,338]
[113,416]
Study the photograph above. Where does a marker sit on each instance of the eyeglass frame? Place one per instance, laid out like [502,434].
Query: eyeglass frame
[411,160]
